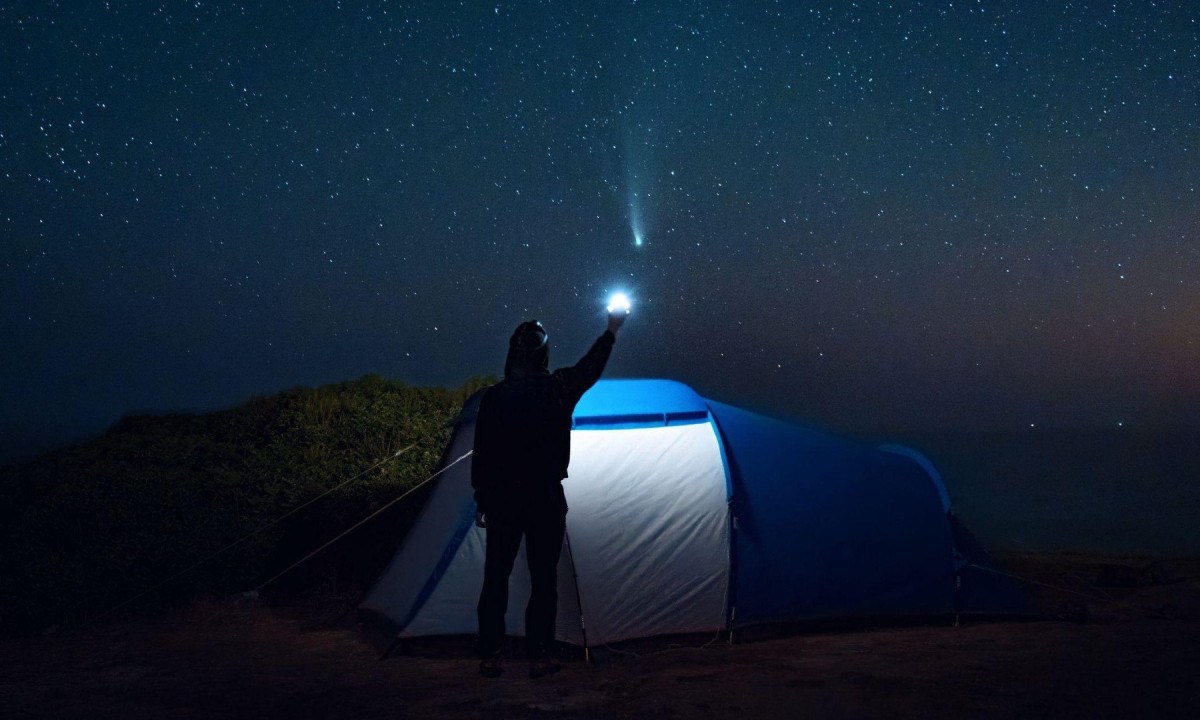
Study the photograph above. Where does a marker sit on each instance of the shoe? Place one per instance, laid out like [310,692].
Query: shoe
[543,667]
[490,667]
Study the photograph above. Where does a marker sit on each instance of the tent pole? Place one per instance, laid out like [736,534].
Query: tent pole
[587,655]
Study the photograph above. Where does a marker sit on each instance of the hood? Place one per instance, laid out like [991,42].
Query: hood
[521,363]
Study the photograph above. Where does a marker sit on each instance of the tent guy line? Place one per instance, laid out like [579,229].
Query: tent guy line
[1031,581]
[251,534]
[360,523]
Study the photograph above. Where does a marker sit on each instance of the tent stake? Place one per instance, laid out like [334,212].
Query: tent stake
[390,648]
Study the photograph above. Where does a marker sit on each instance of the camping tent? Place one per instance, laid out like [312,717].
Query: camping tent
[688,515]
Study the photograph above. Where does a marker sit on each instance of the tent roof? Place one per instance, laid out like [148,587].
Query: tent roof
[639,403]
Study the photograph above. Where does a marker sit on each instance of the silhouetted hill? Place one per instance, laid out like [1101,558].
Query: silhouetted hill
[85,527]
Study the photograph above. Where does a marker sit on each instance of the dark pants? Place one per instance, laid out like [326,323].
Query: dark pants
[543,526]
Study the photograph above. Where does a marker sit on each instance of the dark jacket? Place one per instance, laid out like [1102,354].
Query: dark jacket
[523,430]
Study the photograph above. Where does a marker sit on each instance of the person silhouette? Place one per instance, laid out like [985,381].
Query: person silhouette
[522,448]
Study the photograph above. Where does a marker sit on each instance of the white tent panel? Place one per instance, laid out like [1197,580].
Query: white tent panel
[450,609]
[648,525]
[398,588]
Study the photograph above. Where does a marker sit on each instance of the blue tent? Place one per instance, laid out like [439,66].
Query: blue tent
[689,515]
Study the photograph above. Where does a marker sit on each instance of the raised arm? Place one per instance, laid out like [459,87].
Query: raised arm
[584,374]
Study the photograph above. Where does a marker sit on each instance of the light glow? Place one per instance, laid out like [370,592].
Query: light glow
[619,301]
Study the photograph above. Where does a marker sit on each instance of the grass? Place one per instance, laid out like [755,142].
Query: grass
[84,528]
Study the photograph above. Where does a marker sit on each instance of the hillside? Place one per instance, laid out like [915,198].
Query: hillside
[84,528]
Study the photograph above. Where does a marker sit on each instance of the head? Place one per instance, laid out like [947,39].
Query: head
[528,350]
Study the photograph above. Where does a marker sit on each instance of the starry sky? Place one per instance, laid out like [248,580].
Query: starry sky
[875,216]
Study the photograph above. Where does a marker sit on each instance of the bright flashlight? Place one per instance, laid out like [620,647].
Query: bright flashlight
[619,301]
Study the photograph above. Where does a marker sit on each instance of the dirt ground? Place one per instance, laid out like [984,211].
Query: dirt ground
[1130,652]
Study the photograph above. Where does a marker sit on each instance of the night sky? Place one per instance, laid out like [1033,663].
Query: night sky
[876,217]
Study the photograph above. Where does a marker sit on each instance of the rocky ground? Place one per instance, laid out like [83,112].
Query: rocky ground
[1097,651]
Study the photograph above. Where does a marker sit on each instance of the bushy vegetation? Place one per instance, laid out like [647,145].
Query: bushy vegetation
[85,528]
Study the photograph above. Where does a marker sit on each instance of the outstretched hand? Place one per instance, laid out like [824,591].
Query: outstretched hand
[480,520]
[616,318]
